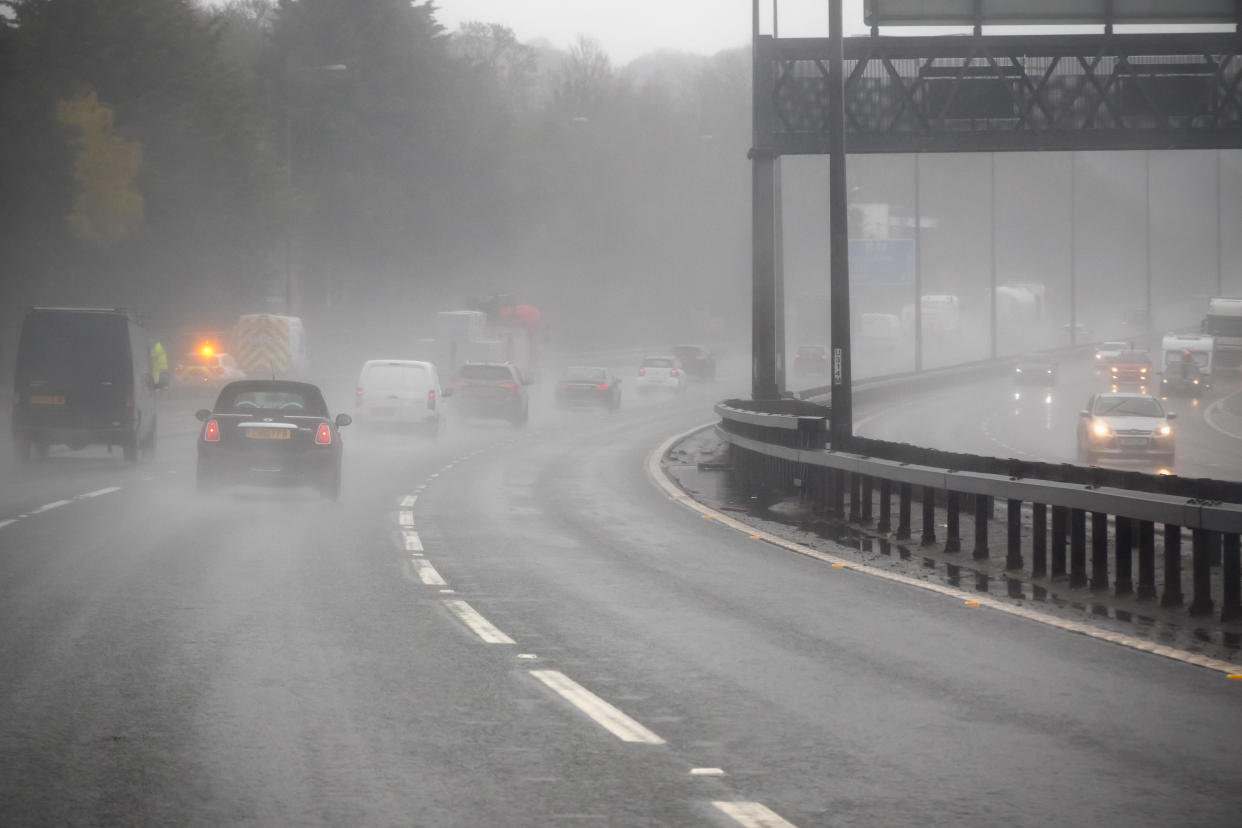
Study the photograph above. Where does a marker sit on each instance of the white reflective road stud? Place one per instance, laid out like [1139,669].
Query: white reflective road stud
[483,628]
[413,543]
[753,815]
[405,518]
[427,573]
[600,711]
[409,500]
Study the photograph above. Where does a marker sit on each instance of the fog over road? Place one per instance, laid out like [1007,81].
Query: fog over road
[265,657]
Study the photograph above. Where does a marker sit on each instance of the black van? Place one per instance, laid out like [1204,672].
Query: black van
[83,377]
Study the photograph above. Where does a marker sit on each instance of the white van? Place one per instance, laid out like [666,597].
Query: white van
[401,393]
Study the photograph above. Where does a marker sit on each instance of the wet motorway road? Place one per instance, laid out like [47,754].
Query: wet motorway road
[517,628]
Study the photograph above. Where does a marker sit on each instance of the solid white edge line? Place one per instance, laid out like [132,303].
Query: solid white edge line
[47,507]
[481,627]
[601,712]
[753,815]
[662,481]
[98,492]
[1210,419]
[427,573]
[413,543]
[4,523]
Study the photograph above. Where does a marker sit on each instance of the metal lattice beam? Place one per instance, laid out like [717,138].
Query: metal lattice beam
[1006,93]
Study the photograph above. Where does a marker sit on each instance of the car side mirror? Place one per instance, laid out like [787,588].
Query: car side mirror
[202,415]
[343,420]
[1084,413]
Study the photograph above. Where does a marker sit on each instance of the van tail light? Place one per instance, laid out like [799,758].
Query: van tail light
[431,400]
[672,372]
[211,432]
[323,436]
[642,371]
[603,386]
[358,395]
[510,386]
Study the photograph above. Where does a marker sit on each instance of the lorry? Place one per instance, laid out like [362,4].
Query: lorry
[494,330]
[1224,323]
[270,347]
[1186,362]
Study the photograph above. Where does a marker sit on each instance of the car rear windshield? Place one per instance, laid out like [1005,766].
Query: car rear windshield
[657,362]
[1128,407]
[288,401]
[582,372]
[485,372]
[74,349]
[395,376]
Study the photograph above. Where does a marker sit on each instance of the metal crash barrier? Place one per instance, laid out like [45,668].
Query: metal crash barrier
[784,445]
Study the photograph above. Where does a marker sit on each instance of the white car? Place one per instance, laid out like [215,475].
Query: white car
[401,393]
[1125,426]
[661,373]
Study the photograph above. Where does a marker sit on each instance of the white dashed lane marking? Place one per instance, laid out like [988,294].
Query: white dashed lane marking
[408,501]
[427,573]
[600,711]
[753,815]
[4,523]
[412,541]
[483,628]
[98,492]
[405,518]
[56,504]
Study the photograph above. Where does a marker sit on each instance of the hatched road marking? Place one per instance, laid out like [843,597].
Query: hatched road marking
[603,713]
[483,628]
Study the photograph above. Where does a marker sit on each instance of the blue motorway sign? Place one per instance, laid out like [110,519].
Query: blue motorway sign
[882,261]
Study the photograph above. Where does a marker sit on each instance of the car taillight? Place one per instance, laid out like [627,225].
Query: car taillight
[642,371]
[211,432]
[823,356]
[672,372]
[603,386]
[510,386]
[323,436]
[431,400]
[698,357]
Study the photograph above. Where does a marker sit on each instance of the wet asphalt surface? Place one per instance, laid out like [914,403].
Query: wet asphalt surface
[264,657]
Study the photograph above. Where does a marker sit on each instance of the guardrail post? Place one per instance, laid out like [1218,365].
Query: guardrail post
[1060,519]
[1013,555]
[929,516]
[1147,560]
[1231,574]
[1099,551]
[1078,548]
[903,512]
[1123,554]
[952,508]
[867,494]
[838,493]
[1172,566]
[1201,563]
[983,510]
[886,506]
[855,497]
[1039,540]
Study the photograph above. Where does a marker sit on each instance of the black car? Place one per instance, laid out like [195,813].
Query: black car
[270,433]
[696,360]
[811,361]
[491,390]
[588,386]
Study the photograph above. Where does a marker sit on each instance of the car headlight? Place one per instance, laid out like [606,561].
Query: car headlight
[1166,430]
[1101,430]
[1142,370]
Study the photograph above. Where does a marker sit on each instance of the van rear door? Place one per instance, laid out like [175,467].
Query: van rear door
[75,371]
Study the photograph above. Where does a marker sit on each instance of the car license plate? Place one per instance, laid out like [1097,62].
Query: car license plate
[1134,441]
[268,433]
[45,399]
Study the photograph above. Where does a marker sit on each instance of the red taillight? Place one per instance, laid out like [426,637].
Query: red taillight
[211,432]
[823,356]
[642,371]
[698,357]
[324,435]
[431,400]
[797,356]
[603,386]
[509,386]
[672,372]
